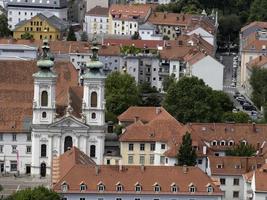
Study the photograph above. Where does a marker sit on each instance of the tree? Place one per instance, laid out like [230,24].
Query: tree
[187,155]
[121,92]
[258,10]
[26,36]
[84,37]
[38,193]
[166,37]
[258,82]
[135,36]
[149,95]
[190,100]
[4,30]
[239,117]
[241,149]
[71,35]
[167,81]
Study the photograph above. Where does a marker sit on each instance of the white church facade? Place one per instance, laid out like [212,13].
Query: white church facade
[51,135]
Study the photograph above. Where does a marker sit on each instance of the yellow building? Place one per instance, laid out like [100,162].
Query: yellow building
[41,27]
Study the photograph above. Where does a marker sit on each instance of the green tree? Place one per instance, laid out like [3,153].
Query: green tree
[71,35]
[166,37]
[121,92]
[258,82]
[4,30]
[38,193]
[26,36]
[149,95]
[241,149]
[239,117]
[84,37]
[190,100]
[258,10]
[167,81]
[187,155]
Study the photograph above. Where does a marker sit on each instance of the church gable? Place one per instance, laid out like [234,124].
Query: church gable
[68,122]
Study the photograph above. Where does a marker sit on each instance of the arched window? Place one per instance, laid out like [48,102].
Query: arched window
[92,151]
[157,187]
[119,187]
[44,98]
[67,143]
[101,187]
[43,114]
[93,99]
[192,188]
[83,187]
[43,150]
[174,187]
[93,115]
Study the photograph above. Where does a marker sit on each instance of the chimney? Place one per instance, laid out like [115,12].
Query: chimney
[204,150]
[96,170]
[136,118]
[185,169]
[177,18]
[183,17]
[254,127]
[158,111]
[165,15]
[142,168]
[120,166]
[260,58]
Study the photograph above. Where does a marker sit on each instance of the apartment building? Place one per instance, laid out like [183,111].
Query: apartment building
[18,11]
[125,19]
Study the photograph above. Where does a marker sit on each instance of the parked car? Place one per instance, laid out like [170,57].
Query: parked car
[239,98]
[254,113]
[249,107]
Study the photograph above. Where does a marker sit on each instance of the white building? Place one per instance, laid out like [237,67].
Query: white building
[147,31]
[18,11]
[206,35]
[17,52]
[125,19]
[96,21]
[151,1]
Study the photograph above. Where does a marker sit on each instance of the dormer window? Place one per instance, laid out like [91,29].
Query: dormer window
[64,187]
[214,143]
[101,187]
[157,187]
[231,143]
[138,187]
[244,142]
[222,143]
[192,188]
[209,188]
[174,188]
[238,166]
[219,166]
[119,187]
[83,187]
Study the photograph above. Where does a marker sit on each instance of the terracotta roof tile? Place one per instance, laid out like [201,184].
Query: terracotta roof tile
[150,44]
[258,62]
[16,92]
[98,11]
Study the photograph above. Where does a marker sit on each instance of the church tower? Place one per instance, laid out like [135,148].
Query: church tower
[93,93]
[44,104]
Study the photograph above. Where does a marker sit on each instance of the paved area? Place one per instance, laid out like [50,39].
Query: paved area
[12,184]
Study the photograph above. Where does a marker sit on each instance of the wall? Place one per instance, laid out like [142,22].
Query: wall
[96,24]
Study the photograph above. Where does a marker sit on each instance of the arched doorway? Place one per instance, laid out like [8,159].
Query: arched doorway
[67,143]
[43,170]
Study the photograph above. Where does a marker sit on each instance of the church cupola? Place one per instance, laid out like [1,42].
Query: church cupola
[93,95]
[44,104]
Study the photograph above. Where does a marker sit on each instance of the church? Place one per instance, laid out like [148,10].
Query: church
[63,115]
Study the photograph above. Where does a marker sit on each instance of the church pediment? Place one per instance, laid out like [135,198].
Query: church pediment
[69,122]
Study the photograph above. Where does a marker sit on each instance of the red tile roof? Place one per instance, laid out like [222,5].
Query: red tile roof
[255,23]
[258,62]
[16,91]
[231,165]
[110,176]
[98,11]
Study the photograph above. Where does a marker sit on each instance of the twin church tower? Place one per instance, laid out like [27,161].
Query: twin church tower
[53,135]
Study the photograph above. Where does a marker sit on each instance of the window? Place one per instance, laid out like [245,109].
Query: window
[209,188]
[219,166]
[199,161]
[1,148]
[142,147]
[174,188]
[64,187]
[162,146]
[29,137]
[162,160]
[108,162]
[43,150]
[222,181]
[151,159]
[235,194]
[119,188]
[43,114]
[28,149]
[14,137]
[192,189]
[83,187]
[13,166]
[118,199]
[152,147]
[236,181]
[1,137]
[82,198]
[131,147]
[138,188]
[93,116]
[142,160]
[101,187]
[157,188]
[130,159]
[93,99]
[44,97]
[14,148]
[92,151]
